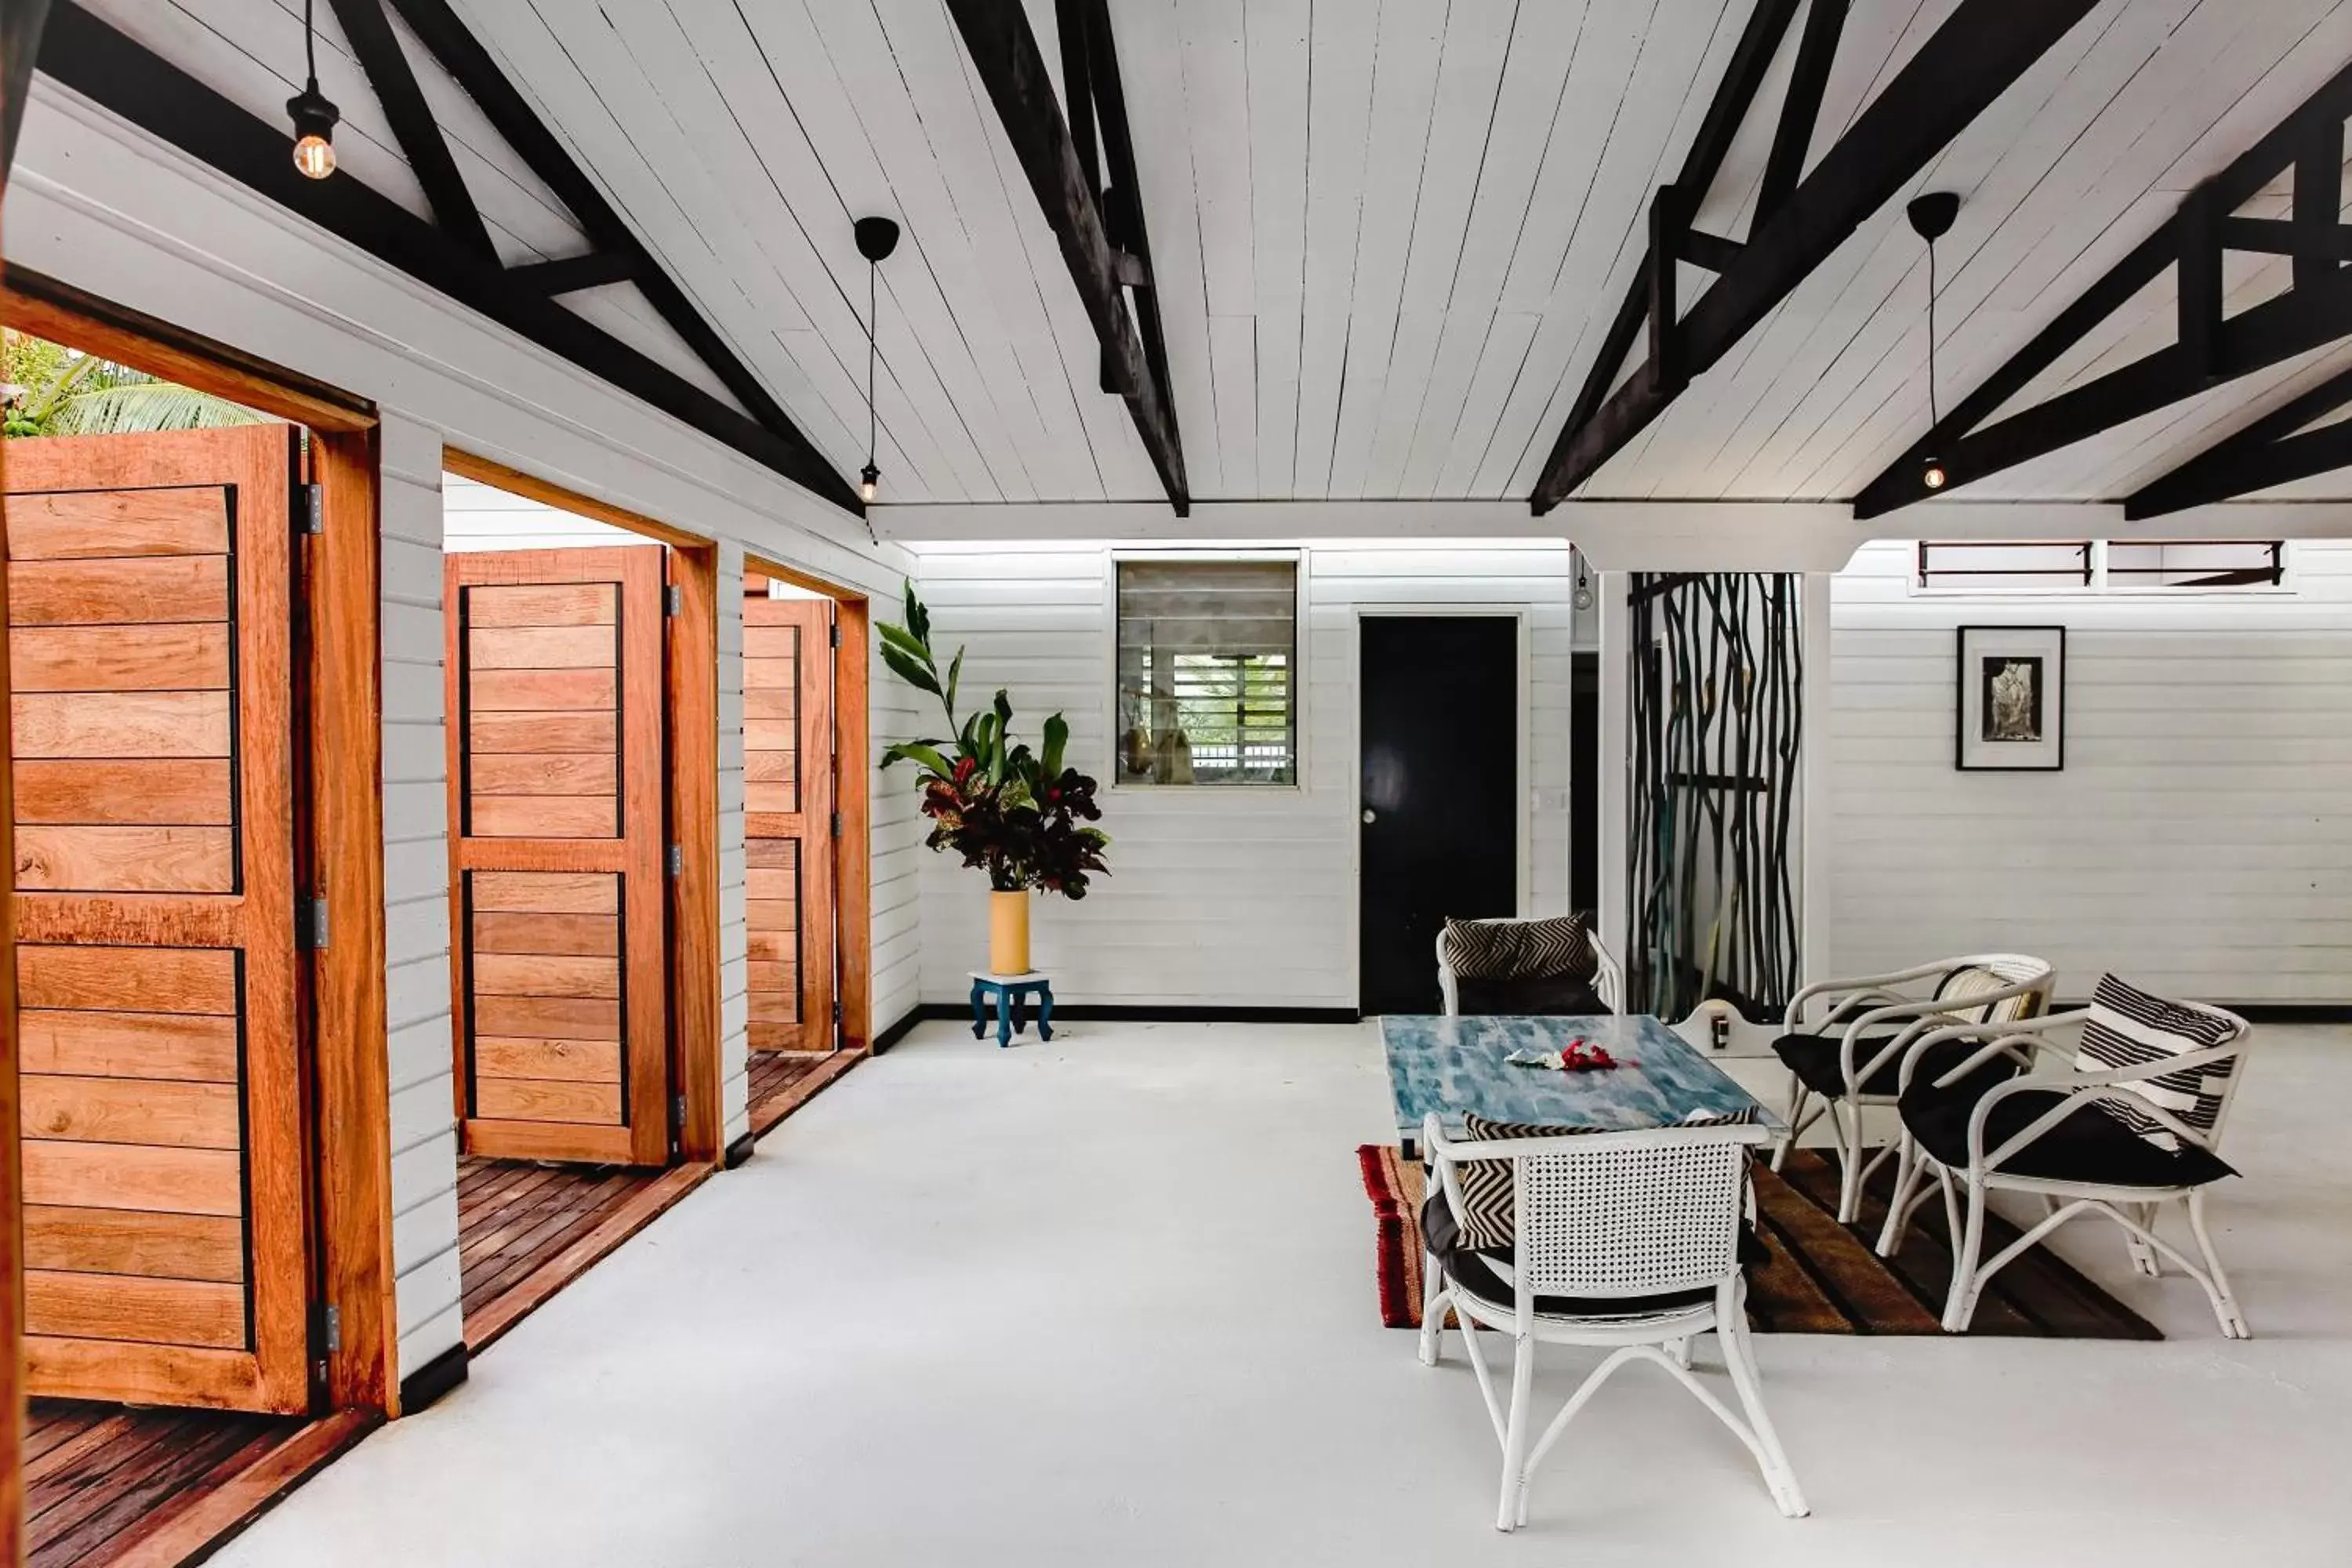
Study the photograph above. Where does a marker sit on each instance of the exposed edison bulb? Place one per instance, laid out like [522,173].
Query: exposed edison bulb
[315,156]
[867,478]
[314,130]
[1932,475]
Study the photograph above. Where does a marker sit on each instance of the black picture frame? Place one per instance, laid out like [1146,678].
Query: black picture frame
[1977,649]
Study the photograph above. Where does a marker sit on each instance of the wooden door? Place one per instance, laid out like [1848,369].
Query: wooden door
[557,851]
[150,693]
[788,804]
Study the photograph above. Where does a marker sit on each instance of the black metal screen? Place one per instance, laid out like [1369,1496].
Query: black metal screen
[1715,718]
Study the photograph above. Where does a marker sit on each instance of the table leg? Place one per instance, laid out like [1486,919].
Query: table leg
[1020,1011]
[1045,1012]
[1003,1017]
[979,1013]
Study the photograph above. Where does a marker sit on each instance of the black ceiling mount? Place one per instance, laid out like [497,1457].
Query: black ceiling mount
[2208,348]
[450,253]
[877,238]
[1982,47]
[1931,215]
[1098,224]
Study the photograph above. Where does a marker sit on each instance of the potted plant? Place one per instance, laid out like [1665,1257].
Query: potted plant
[1019,814]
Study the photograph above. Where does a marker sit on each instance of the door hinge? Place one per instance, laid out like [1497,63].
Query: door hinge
[837,825]
[326,1330]
[833,634]
[676,600]
[678,859]
[311,510]
[678,1112]
[310,923]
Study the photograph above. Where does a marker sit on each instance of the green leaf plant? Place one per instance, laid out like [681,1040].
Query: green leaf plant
[1019,814]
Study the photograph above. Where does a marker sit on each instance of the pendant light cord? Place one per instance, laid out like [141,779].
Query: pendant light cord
[871,269]
[310,43]
[1934,419]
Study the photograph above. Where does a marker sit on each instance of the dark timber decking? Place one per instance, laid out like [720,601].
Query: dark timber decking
[525,1229]
[784,1082]
[145,1486]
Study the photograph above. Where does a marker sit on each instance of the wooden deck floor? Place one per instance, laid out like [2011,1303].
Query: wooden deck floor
[114,1486]
[782,1081]
[525,1229]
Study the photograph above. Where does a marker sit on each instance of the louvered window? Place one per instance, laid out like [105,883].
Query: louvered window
[1208,661]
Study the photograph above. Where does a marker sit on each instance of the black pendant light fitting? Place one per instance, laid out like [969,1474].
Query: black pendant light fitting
[877,238]
[313,115]
[1931,218]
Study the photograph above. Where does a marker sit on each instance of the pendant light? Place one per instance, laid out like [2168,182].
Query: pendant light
[1931,218]
[877,238]
[314,117]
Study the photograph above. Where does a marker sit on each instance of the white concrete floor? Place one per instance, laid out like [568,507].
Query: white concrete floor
[1108,1302]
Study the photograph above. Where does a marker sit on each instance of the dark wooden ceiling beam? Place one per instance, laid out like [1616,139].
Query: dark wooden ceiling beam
[369,32]
[1093,226]
[1801,110]
[2207,349]
[21,22]
[1982,47]
[1751,58]
[126,78]
[471,65]
[568,274]
[2270,451]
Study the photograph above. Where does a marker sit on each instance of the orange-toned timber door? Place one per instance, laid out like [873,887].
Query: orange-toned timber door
[557,853]
[788,820]
[150,687]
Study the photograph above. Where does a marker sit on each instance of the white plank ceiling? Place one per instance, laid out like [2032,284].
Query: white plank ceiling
[1388,234]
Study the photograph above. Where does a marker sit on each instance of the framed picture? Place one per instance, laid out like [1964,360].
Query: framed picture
[2012,700]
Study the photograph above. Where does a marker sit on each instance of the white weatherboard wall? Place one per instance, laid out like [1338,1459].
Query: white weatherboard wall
[104,209]
[2199,840]
[1230,895]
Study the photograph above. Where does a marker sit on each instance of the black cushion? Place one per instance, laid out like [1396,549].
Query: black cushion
[1542,996]
[1814,1059]
[2088,1146]
[1474,1272]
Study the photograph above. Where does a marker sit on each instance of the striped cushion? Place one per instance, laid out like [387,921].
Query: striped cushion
[1519,950]
[1490,1213]
[2128,1028]
[1976,980]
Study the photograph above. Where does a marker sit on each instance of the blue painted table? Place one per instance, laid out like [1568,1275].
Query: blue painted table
[1456,1065]
[1012,993]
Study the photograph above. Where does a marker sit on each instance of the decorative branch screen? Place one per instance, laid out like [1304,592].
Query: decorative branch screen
[1717,676]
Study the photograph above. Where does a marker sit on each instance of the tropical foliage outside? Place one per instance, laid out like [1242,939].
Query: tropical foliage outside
[49,389]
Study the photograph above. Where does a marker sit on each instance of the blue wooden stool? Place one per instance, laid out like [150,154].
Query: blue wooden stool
[1012,993]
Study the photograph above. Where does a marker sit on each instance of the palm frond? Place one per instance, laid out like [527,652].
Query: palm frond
[144,406]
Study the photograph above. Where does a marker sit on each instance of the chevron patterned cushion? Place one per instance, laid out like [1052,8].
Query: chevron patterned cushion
[1490,1206]
[1519,950]
[2128,1028]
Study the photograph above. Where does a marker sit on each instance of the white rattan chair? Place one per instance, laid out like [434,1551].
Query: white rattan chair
[1628,1241]
[1608,975]
[2028,1135]
[1849,1058]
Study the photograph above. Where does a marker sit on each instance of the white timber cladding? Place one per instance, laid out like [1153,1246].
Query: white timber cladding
[416,899]
[2199,841]
[104,209]
[1228,894]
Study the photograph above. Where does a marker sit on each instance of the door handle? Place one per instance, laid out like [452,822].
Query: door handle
[1370,816]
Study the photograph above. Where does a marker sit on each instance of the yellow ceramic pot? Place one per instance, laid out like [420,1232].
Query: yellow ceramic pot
[1008,934]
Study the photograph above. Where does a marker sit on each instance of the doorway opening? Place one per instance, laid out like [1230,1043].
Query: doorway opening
[1441,792]
[581,690]
[804,836]
[193,800]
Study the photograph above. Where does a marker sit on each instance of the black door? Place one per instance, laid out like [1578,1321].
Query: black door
[1440,771]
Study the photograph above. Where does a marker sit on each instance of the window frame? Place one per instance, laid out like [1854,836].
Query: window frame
[2099,583]
[1300,699]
